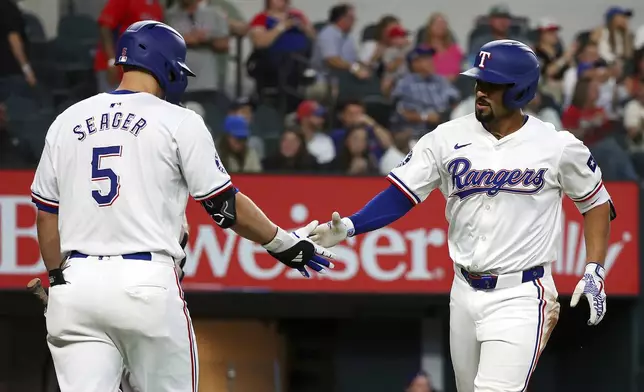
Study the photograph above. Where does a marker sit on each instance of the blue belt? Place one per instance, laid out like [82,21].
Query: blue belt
[130,256]
[488,282]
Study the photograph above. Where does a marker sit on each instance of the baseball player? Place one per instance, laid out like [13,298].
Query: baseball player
[503,175]
[111,190]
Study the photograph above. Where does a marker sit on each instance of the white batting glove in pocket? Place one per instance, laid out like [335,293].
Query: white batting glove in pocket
[591,286]
[331,233]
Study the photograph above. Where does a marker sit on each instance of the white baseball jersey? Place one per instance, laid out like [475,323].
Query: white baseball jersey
[504,197]
[118,168]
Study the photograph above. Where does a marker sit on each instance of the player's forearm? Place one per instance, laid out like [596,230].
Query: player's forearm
[48,239]
[107,41]
[387,207]
[596,231]
[251,222]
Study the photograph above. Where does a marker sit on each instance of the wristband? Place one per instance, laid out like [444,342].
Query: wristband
[277,244]
[594,267]
[111,62]
[351,230]
[26,68]
[355,67]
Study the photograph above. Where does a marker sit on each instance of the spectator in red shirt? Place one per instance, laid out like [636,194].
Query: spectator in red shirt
[115,18]
[583,118]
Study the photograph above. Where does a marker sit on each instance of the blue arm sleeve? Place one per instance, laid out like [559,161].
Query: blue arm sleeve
[388,206]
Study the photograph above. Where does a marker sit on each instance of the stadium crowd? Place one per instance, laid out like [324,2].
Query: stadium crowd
[327,98]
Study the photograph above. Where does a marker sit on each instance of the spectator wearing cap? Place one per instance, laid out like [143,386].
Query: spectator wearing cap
[335,48]
[499,23]
[403,143]
[448,59]
[245,107]
[588,65]
[553,59]
[292,155]
[234,151]
[423,99]
[389,41]
[352,114]
[310,119]
[205,30]
[614,39]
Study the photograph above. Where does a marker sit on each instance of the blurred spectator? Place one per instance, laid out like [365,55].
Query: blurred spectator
[352,114]
[13,152]
[583,118]
[335,48]
[371,50]
[281,37]
[423,99]
[292,155]
[448,58]
[392,63]
[639,38]
[310,118]
[635,81]
[553,59]
[233,147]
[115,18]
[544,113]
[15,69]
[634,122]
[354,158]
[397,152]
[420,383]
[587,61]
[500,21]
[615,40]
[205,30]
[245,107]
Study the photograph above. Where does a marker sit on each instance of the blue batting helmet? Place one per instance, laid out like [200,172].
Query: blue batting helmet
[508,62]
[159,49]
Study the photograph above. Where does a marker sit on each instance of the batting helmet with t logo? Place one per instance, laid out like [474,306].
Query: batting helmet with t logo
[510,63]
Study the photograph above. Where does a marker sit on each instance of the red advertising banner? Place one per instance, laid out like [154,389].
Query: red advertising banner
[410,256]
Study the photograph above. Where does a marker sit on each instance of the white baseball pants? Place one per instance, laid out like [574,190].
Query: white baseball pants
[496,336]
[117,312]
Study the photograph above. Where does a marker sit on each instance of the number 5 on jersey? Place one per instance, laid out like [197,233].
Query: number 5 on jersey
[100,173]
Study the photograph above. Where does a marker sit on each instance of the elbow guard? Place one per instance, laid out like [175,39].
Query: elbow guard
[222,208]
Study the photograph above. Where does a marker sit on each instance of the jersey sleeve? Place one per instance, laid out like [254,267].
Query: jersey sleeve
[580,176]
[44,189]
[203,170]
[418,174]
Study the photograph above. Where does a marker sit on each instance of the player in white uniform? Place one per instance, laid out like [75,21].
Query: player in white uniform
[503,175]
[111,190]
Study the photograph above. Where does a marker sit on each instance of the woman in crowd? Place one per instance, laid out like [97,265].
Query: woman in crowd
[635,81]
[292,155]
[554,60]
[354,157]
[449,57]
[615,39]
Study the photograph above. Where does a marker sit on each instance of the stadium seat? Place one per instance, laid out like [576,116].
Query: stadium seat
[349,86]
[319,25]
[78,29]
[267,122]
[369,33]
[34,28]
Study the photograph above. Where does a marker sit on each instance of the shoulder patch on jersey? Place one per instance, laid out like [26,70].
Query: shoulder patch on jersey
[591,163]
[220,165]
[407,158]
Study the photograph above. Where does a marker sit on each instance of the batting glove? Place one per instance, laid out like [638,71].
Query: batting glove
[591,286]
[297,251]
[333,232]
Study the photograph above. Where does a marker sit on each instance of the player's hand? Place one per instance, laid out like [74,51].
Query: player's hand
[591,286]
[331,233]
[296,250]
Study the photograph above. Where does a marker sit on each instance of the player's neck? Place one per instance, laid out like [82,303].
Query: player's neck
[140,82]
[505,126]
